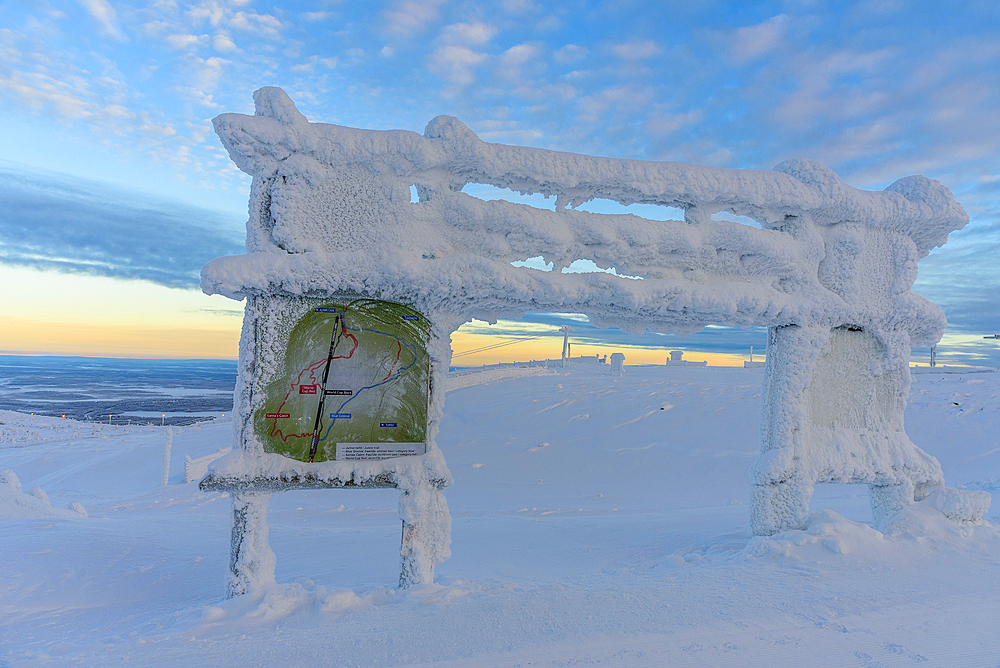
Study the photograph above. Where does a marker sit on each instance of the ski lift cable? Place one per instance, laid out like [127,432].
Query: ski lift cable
[495,345]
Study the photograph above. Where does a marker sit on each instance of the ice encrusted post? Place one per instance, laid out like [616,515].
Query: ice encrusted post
[835,389]
[828,269]
[251,560]
[167,441]
[426,534]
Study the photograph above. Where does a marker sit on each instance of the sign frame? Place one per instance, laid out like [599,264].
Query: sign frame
[251,474]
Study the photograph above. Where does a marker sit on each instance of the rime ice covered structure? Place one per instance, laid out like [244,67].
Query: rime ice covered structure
[829,273]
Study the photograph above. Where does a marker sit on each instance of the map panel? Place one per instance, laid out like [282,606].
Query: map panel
[355,372]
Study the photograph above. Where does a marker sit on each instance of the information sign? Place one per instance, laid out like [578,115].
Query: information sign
[354,385]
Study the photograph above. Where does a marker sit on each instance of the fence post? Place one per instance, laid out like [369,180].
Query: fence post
[166,455]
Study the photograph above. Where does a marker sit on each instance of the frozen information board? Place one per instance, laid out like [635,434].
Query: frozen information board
[353,386]
[338,392]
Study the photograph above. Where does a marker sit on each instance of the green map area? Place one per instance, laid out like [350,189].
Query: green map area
[373,356]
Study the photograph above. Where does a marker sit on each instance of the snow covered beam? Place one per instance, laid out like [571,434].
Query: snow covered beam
[826,267]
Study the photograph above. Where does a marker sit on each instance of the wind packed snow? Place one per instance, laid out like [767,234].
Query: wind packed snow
[597,520]
[34,503]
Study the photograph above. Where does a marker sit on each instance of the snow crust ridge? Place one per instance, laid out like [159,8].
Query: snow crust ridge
[35,503]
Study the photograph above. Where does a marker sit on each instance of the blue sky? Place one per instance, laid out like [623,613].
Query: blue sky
[110,167]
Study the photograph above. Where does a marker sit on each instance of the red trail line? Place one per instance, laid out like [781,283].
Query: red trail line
[399,350]
[298,381]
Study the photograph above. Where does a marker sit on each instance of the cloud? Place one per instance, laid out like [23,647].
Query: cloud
[636,50]
[472,34]
[185,41]
[262,24]
[962,278]
[223,42]
[662,124]
[547,23]
[318,16]
[207,72]
[455,63]
[105,15]
[881,136]
[520,6]
[409,17]
[199,96]
[159,130]
[39,91]
[570,53]
[518,55]
[118,111]
[523,63]
[875,97]
[51,221]
[751,42]
[212,12]
[838,85]
[616,103]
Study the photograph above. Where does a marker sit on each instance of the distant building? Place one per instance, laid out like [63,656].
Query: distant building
[677,359]
[617,363]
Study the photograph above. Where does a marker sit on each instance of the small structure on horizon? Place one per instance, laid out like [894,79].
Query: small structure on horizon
[617,363]
[677,359]
[588,359]
[751,364]
[566,329]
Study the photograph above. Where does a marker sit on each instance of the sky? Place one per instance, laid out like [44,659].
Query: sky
[116,190]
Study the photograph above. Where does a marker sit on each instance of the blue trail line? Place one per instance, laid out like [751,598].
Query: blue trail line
[412,348]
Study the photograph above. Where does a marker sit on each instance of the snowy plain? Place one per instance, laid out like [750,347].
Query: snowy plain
[597,520]
[176,392]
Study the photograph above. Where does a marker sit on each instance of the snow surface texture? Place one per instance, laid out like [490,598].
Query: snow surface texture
[590,528]
[457,381]
[829,272]
[33,504]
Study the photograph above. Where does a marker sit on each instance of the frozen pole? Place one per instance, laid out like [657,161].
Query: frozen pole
[934,355]
[751,354]
[166,455]
[566,329]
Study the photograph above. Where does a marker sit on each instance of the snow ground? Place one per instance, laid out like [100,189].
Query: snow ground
[590,527]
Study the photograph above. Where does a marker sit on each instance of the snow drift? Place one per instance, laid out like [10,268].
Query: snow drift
[13,503]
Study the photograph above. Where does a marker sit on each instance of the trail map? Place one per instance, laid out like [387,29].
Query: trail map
[356,374]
